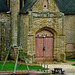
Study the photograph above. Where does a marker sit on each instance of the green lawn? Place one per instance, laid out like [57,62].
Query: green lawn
[9,66]
[71,60]
[73,64]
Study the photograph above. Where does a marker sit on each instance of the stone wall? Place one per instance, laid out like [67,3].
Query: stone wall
[4,35]
[24,28]
[14,8]
[54,24]
[24,31]
[69,29]
[70,55]
[52,20]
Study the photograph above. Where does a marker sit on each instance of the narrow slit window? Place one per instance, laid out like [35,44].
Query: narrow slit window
[45,4]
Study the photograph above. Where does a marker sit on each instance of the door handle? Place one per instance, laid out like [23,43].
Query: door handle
[44,48]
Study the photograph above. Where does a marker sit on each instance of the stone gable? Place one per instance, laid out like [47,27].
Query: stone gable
[51,5]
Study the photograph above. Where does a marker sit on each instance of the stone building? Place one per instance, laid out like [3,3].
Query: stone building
[4,29]
[44,28]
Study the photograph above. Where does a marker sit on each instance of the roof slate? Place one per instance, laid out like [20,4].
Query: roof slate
[65,6]
[3,6]
[27,6]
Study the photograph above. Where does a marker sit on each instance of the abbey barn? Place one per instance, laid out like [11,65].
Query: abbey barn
[44,28]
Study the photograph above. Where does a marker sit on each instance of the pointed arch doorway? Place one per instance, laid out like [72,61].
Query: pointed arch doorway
[44,46]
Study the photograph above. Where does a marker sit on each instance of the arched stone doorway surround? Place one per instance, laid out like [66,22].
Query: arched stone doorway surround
[51,35]
[58,46]
[50,21]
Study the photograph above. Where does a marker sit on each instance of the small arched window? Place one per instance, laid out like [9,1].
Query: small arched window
[45,4]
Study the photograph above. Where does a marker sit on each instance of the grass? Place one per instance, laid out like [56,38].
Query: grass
[71,60]
[9,66]
[73,64]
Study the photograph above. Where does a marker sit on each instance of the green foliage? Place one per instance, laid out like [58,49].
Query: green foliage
[9,66]
[1,64]
[73,64]
[71,60]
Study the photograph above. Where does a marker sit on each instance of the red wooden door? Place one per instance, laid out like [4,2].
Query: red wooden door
[44,46]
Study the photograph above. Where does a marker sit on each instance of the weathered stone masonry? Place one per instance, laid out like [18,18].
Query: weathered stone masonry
[4,34]
[69,31]
[22,26]
[51,20]
[14,8]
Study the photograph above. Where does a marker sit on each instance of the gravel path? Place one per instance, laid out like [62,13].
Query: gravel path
[69,69]
[64,67]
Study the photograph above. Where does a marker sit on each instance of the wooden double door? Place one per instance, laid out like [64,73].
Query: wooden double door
[44,46]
